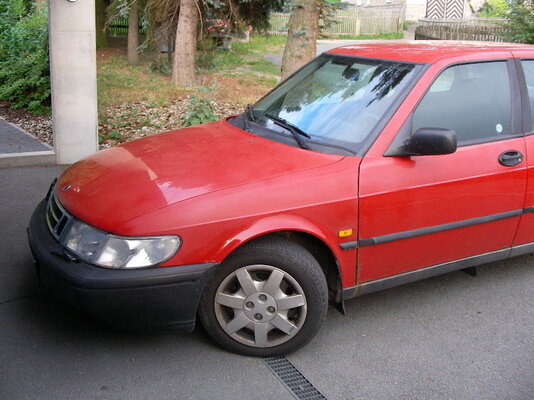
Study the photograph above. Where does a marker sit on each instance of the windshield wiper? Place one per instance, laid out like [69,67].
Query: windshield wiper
[295,131]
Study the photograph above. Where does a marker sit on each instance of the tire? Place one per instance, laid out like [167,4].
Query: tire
[268,298]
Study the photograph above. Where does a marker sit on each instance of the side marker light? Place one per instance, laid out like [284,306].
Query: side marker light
[344,233]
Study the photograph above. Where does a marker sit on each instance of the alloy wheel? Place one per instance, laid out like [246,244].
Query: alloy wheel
[260,306]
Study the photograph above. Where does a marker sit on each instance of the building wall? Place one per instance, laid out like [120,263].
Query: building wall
[415,9]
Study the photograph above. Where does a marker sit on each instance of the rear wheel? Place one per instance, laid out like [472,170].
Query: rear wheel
[268,298]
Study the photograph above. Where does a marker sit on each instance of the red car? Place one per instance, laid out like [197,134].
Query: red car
[372,166]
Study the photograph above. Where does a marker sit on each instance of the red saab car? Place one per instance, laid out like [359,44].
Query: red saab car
[372,166]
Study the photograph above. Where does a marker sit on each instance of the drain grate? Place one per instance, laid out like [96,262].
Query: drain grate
[292,379]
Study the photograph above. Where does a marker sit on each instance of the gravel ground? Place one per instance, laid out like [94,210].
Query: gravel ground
[119,123]
[125,122]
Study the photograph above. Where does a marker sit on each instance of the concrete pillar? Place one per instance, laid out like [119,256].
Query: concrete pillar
[73,76]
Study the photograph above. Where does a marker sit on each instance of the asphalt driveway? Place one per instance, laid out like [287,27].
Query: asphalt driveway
[450,337]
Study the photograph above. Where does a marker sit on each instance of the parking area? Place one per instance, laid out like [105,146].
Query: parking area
[449,337]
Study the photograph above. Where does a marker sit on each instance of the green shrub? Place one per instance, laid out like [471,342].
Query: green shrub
[161,65]
[114,135]
[494,8]
[199,111]
[521,21]
[24,68]
[206,54]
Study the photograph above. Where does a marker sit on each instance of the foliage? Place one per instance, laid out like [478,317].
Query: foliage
[206,53]
[114,135]
[217,27]
[24,68]
[521,21]
[236,15]
[256,12]
[329,8]
[120,9]
[200,111]
[494,8]
[161,65]
[242,13]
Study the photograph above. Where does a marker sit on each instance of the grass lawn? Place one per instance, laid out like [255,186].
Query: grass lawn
[240,75]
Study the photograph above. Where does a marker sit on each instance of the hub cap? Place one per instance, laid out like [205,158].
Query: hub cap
[260,306]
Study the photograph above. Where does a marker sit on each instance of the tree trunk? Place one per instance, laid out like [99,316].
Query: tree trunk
[101,35]
[301,36]
[185,48]
[133,34]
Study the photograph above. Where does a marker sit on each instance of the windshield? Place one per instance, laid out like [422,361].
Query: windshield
[336,100]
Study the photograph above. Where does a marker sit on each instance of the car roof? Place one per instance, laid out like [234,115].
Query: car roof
[425,51]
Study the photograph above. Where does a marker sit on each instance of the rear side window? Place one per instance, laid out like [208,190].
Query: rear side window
[473,100]
[528,67]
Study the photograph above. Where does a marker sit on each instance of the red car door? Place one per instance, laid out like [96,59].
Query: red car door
[525,234]
[423,211]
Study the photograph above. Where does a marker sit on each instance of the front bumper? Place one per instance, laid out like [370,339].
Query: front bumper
[151,297]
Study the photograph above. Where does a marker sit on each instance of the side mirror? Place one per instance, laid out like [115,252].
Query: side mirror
[431,141]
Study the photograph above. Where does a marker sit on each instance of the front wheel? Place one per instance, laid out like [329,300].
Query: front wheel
[268,298]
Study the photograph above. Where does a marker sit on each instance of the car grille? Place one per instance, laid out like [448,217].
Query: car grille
[56,216]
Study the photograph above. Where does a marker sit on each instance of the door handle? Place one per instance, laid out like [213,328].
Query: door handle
[510,158]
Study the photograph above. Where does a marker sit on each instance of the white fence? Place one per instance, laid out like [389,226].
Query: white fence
[353,22]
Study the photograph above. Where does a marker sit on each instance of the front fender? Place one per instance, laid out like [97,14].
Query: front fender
[345,260]
[320,202]
[273,224]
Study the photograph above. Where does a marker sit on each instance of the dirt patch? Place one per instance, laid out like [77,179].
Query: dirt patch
[241,90]
[104,54]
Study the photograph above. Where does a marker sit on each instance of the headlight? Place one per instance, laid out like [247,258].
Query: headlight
[84,240]
[137,253]
[110,251]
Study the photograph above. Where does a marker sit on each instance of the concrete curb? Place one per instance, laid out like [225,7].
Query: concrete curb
[29,159]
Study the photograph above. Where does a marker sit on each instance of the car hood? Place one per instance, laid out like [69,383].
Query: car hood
[115,185]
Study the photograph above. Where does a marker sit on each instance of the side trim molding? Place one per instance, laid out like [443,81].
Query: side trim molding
[424,273]
[437,228]
[433,229]
[349,245]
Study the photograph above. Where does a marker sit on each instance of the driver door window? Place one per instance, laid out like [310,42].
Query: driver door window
[472,99]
